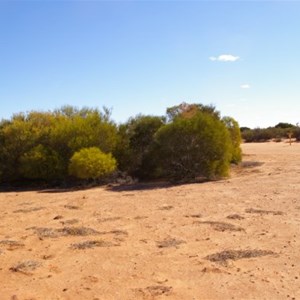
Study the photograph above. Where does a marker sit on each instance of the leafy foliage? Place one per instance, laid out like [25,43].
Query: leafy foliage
[41,163]
[39,145]
[196,146]
[91,163]
[280,131]
[284,125]
[191,141]
[135,146]
[236,139]
[186,110]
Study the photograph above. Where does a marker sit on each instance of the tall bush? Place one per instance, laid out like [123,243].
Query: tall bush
[134,149]
[193,147]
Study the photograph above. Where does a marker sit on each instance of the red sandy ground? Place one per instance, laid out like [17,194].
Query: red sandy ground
[154,242]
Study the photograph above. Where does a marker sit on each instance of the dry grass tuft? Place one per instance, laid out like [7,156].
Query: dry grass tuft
[221,226]
[167,243]
[263,212]
[25,266]
[11,245]
[251,164]
[69,222]
[118,232]
[141,217]
[92,244]
[78,231]
[46,232]
[235,217]
[166,207]
[194,216]
[158,290]
[223,256]
[28,210]
[71,207]
[73,231]
[109,219]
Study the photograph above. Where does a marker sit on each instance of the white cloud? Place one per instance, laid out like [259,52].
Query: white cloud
[245,86]
[224,58]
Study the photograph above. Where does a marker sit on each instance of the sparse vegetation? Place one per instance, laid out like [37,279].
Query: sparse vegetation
[223,256]
[92,244]
[26,266]
[263,212]
[168,243]
[221,226]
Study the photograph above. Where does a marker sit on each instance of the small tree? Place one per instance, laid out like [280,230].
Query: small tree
[91,163]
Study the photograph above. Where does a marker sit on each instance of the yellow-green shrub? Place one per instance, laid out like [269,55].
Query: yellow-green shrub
[91,163]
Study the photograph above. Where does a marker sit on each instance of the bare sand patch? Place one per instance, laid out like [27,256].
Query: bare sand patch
[237,238]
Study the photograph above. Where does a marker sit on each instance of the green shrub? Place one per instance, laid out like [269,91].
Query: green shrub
[258,135]
[235,135]
[41,163]
[296,133]
[135,145]
[280,131]
[91,163]
[284,125]
[199,146]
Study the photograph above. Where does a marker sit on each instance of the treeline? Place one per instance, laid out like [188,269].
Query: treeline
[190,141]
[277,133]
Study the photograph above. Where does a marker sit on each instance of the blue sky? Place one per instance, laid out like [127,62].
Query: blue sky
[144,56]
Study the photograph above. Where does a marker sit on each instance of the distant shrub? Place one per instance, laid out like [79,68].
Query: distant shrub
[257,135]
[296,133]
[242,129]
[198,146]
[284,125]
[91,163]
[277,133]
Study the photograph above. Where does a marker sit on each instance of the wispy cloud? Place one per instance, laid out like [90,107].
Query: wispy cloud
[245,86]
[225,58]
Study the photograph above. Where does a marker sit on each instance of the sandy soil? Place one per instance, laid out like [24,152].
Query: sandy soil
[233,239]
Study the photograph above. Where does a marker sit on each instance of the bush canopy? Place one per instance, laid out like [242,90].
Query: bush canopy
[91,163]
[191,140]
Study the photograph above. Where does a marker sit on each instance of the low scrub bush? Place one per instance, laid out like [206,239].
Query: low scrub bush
[91,163]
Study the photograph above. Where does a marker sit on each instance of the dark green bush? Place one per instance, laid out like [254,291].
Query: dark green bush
[280,131]
[135,145]
[296,133]
[41,163]
[199,146]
